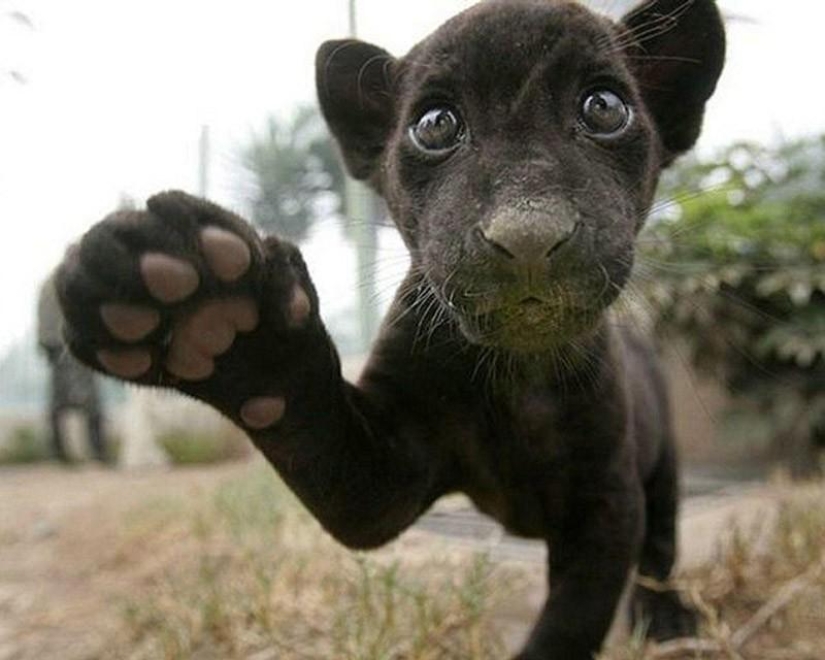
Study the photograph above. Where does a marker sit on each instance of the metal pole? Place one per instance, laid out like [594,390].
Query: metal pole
[361,208]
[203,162]
[353,19]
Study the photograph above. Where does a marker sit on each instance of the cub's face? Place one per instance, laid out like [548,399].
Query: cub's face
[518,154]
[520,169]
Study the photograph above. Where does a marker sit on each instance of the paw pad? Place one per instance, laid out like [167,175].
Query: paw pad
[187,362]
[127,364]
[169,280]
[299,307]
[262,412]
[129,323]
[227,255]
[199,337]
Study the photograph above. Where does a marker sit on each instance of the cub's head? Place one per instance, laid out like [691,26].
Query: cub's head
[519,146]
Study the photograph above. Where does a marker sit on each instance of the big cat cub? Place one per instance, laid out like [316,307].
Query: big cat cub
[518,148]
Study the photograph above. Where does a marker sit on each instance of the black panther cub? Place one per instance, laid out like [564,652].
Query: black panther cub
[518,148]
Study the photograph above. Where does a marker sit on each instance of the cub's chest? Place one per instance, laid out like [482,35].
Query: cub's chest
[514,467]
[538,421]
[512,433]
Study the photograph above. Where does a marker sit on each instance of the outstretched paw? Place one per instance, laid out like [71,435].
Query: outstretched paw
[188,295]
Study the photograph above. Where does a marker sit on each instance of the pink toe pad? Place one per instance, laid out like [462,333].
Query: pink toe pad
[263,412]
[168,279]
[129,322]
[227,254]
[125,364]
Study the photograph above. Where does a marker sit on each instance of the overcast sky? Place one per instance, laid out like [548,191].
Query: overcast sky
[117,92]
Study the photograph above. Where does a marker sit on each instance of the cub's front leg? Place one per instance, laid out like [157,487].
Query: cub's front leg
[591,557]
[186,295]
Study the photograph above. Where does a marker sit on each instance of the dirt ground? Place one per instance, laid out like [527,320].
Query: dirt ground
[59,571]
[62,574]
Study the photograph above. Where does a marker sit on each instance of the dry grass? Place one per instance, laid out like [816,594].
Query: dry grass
[245,573]
[198,447]
[224,564]
[764,596]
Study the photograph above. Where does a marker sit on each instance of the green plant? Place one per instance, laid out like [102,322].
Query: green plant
[25,445]
[738,273]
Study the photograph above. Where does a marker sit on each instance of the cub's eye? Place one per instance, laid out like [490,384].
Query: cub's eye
[437,131]
[604,113]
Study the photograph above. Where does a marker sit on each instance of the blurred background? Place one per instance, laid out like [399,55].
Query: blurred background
[104,103]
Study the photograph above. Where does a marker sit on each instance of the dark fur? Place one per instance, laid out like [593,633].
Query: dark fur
[553,421]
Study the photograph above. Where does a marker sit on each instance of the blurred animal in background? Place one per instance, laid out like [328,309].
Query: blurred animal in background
[72,386]
[518,149]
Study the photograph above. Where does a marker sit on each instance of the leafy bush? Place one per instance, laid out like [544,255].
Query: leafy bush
[25,445]
[740,276]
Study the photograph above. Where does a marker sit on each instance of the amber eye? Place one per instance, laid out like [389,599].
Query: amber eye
[438,131]
[604,113]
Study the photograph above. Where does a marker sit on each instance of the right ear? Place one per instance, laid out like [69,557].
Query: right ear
[353,80]
[676,49]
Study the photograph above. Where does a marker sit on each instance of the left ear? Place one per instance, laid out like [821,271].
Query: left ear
[676,49]
[354,89]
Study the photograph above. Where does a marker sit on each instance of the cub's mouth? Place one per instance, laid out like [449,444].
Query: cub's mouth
[531,324]
[505,290]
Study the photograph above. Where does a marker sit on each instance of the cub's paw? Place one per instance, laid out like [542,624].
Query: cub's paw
[663,615]
[186,294]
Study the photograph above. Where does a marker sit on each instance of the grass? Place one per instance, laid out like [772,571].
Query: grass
[25,445]
[201,447]
[241,571]
[245,573]
[764,596]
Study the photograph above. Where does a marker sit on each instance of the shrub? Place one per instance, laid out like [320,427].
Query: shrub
[738,272]
[25,445]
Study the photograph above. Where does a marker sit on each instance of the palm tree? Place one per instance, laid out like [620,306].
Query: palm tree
[299,180]
[298,176]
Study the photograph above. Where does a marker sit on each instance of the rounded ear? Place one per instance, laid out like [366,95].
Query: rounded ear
[676,49]
[353,81]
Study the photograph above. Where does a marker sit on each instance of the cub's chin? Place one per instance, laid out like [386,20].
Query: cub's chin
[531,326]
